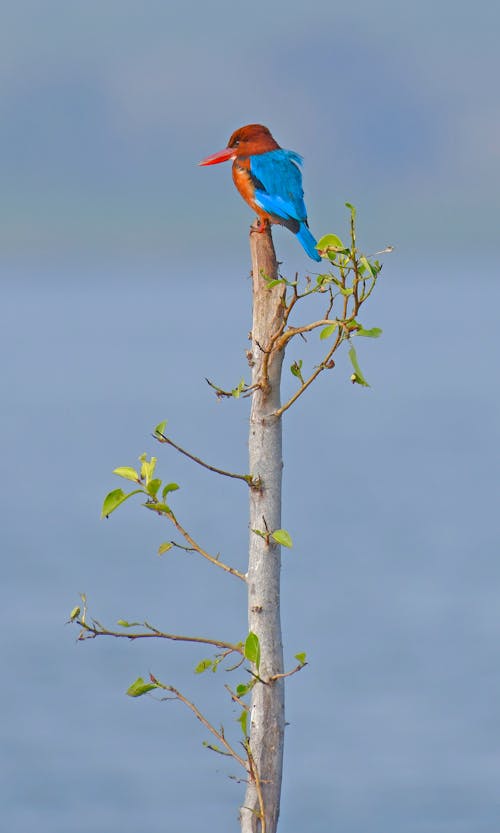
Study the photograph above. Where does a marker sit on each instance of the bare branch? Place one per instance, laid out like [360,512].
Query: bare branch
[91,631]
[166,440]
[288,673]
[254,775]
[196,547]
[228,394]
[206,723]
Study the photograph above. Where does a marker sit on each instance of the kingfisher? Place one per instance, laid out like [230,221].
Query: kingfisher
[269,179]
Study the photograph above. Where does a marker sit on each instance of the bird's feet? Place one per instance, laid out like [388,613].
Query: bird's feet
[259,226]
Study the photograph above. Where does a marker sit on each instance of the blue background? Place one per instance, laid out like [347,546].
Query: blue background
[124,273]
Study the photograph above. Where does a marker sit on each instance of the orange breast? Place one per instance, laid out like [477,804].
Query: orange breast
[244,184]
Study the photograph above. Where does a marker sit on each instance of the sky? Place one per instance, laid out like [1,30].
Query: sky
[124,277]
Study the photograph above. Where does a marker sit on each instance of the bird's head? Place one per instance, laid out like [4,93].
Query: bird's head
[246,141]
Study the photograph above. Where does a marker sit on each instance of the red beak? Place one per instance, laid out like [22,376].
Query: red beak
[221,156]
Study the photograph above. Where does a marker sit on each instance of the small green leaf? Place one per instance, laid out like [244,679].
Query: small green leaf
[281,536]
[274,282]
[170,487]
[161,508]
[203,666]
[242,720]
[124,624]
[322,280]
[242,689]
[252,649]
[348,290]
[160,428]
[147,467]
[357,377]
[213,747]
[139,688]
[115,498]
[236,392]
[153,486]
[327,331]
[365,266]
[351,209]
[74,613]
[128,473]
[375,332]
[301,658]
[330,241]
[165,547]
[296,370]
[260,533]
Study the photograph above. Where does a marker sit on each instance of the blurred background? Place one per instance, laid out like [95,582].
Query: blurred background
[124,280]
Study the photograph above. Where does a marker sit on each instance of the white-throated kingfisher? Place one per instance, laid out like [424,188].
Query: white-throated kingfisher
[269,180]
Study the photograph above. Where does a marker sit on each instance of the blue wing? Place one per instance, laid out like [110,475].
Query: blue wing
[278,184]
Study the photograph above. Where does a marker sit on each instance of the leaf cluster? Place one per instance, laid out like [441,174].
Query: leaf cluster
[150,487]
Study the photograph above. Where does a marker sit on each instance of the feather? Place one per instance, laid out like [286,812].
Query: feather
[279,173]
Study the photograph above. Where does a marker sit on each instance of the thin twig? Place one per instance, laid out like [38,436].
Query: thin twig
[236,699]
[254,775]
[215,561]
[246,477]
[288,673]
[228,394]
[206,723]
[96,629]
[309,381]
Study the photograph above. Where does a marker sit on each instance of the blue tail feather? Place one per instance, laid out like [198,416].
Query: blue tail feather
[308,242]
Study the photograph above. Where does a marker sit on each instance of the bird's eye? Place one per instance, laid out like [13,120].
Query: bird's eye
[236,143]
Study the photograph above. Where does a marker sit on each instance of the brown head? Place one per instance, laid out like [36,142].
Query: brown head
[246,141]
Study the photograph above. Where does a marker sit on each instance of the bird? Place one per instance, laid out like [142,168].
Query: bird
[269,179]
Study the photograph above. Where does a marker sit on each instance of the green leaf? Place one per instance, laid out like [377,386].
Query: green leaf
[348,290]
[139,688]
[153,486]
[301,657]
[147,467]
[321,280]
[236,392]
[327,331]
[165,547]
[365,266]
[296,370]
[74,613]
[357,377]
[242,720]
[128,473]
[213,747]
[124,624]
[351,209]
[160,428]
[274,282]
[115,498]
[260,533]
[281,536]
[330,241]
[161,508]
[375,332]
[170,487]
[242,689]
[203,666]
[252,649]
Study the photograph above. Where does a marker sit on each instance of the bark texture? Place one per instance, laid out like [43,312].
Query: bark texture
[267,716]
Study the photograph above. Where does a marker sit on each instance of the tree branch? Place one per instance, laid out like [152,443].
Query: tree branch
[206,723]
[167,441]
[196,547]
[91,631]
